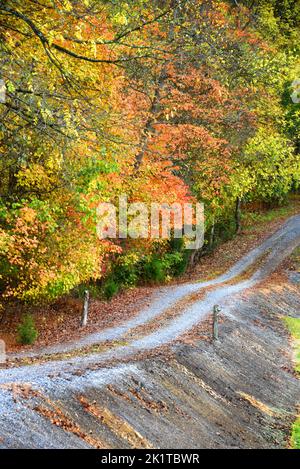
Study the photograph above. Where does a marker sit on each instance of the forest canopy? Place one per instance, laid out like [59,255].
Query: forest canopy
[165,101]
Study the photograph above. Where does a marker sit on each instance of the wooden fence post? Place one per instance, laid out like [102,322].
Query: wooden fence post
[216,310]
[85,311]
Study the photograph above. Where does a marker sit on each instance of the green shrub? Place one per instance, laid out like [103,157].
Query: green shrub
[125,274]
[27,333]
[179,264]
[110,289]
[154,270]
[95,291]
[93,287]
[225,230]
[175,263]
[176,244]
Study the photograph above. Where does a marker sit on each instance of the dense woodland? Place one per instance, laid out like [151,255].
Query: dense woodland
[165,101]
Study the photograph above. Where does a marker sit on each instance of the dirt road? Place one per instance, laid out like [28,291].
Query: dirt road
[139,385]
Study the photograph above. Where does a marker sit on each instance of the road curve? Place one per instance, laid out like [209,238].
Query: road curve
[271,252]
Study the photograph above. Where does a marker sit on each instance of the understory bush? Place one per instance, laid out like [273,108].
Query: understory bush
[27,333]
[133,268]
[94,288]
[126,270]
[154,270]
[110,289]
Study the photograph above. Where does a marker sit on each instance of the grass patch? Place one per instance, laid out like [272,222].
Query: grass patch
[293,325]
[295,438]
[257,220]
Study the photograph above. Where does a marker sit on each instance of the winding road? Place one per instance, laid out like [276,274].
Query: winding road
[268,256]
[83,365]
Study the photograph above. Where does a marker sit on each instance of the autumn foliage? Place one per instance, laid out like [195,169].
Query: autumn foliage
[168,101]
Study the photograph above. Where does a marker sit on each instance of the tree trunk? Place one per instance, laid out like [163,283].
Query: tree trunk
[237,215]
[153,111]
[160,85]
[212,235]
